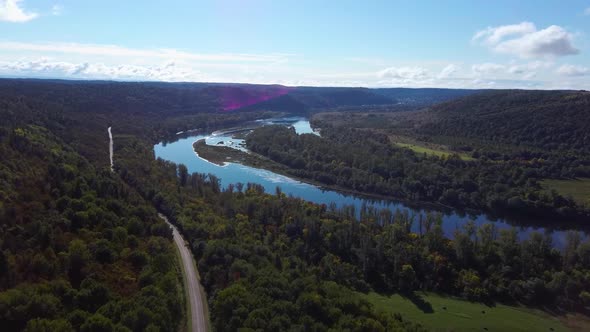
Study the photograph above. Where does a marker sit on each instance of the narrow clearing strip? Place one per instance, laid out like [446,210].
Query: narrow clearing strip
[193,284]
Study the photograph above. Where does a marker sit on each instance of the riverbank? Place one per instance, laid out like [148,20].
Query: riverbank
[220,155]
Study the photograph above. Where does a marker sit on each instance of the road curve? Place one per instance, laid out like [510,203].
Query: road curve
[193,283]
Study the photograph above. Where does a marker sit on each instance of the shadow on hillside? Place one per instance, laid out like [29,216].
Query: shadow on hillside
[419,302]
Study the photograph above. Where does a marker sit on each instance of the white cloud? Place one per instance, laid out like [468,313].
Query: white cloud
[487,68]
[10,11]
[571,70]
[525,41]
[587,11]
[403,73]
[119,51]
[43,67]
[405,76]
[402,76]
[494,35]
[530,69]
[448,71]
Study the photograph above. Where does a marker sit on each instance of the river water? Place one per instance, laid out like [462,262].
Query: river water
[181,152]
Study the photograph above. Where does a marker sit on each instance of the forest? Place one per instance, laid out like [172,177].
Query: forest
[271,262]
[365,161]
[82,248]
[79,249]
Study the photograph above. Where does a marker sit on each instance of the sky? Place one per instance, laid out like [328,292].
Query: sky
[452,44]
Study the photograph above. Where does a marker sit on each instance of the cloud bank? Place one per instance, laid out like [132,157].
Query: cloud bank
[119,51]
[169,71]
[536,64]
[571,70]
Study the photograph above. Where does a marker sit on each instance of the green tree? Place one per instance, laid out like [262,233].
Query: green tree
[97,323]
[47,325]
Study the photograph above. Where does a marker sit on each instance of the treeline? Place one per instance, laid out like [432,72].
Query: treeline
[366,161]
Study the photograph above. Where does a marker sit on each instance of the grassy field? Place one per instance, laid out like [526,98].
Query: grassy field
[579,189]
[462,315]
[430,151]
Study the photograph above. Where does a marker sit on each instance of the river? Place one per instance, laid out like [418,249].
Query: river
[181,151]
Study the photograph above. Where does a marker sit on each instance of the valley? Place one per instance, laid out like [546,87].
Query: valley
[296,166]
[284,236]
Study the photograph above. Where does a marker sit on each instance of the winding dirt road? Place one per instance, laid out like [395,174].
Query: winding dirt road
[192,282]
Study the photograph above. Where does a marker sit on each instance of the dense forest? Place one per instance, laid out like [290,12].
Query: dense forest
[79,249]
[548,120]
[82,248]
[423,97]
[366,161]
[272,262]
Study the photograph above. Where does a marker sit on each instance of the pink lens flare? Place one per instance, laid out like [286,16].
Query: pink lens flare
[233,98]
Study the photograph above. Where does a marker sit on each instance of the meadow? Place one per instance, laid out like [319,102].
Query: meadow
[449,314]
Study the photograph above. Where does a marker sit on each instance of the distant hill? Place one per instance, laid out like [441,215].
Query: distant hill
[301,100]
[544,119]
[321,98]
[284,103]
[423,97]
[316,97]
[107,96]
[188,98]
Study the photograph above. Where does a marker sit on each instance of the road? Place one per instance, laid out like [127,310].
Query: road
[111,148]
[193,283]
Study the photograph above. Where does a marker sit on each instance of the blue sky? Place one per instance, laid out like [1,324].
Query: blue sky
[467,44]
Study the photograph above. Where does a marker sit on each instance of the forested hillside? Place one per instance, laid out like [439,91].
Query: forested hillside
[79,249]
[191,98]
[423,97]
[303,100]
[549,120]
[119,97]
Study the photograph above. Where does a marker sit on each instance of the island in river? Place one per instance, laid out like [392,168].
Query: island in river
[221,153]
